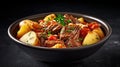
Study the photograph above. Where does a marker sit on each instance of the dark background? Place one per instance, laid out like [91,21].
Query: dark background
[12,56]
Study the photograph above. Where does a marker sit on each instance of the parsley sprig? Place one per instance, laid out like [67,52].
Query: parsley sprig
[60,19]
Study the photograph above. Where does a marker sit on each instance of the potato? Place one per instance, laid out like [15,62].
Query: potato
[81,20]
[27,21]
[58,46]
[49,17]
[23,29]
[91,38]
[30,23]
[99,32]
[30,38]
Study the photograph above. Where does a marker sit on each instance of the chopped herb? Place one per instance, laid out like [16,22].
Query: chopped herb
[29,34]
[44,35]
[70,27]
[80,39]
[49,33]
[43,28]
[69,31]
[31,38]
[48,19]
[69,45]
[97,38]
[27,41]
[60,19]
[68,21]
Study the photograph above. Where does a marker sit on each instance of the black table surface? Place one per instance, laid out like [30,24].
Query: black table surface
[107,56]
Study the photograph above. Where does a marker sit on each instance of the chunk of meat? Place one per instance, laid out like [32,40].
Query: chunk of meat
[63,34]
[54,27]
[73,40]
[71,18]
[50,43]
[42,37]
[68,32]
[57,28]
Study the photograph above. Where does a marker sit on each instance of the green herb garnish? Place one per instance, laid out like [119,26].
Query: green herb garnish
[49,33]
[69,45]
[48,19]
[97,38]
[68,31]
[60,19]
[80,39]
[71,27]
[68,21]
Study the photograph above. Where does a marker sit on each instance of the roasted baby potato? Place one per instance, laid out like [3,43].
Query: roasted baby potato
[91,38]
[30,23]
[30,38]
[99,32]
[23,29]
[49,17]
[26,26]
[27,21]
[81,20]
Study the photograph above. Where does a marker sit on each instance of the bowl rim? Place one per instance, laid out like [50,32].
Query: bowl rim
[107,26]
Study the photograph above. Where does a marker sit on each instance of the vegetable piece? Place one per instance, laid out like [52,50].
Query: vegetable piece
[27,21]
[52,37]
[91,38]
[23,29]
[84,31]
[50,43]
[30,23]
[99,32]
[49,33]
[58,46]
[81,20]
[49,17]
[30,38]
[68,21]
[93,25]
[60,19]
[26,26]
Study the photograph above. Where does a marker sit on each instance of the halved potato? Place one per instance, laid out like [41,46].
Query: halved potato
[30,38]
[99,32]
[49,17]
[91,38]
[23,29]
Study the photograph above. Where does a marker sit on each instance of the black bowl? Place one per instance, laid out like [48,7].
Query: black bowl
[63,54]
